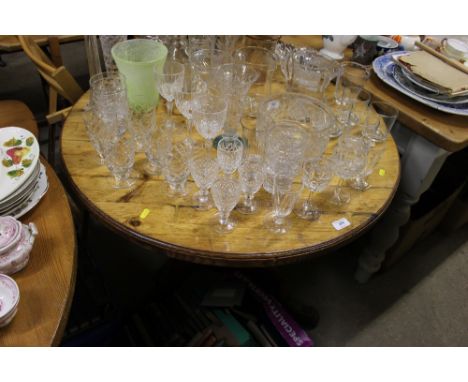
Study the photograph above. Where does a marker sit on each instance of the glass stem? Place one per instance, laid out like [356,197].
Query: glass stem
[189,128]
[223,218]
[248,200]
[276,196]
[169,107]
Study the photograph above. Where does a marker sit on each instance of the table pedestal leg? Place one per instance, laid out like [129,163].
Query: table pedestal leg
[420,163]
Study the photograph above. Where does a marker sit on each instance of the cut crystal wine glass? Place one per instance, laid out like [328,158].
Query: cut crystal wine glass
[209,116]
[226,193]
[251,179]
[169,82]
[204,169]
[120,159]
[316,176]
[229,152]
[349,160]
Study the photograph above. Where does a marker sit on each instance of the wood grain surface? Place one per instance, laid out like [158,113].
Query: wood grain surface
[48,281]
[17,113]
[185,233]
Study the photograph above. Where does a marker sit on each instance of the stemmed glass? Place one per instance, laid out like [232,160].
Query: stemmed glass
[120,159]
[156,150]
[184,99]
[379,121]
[251,179]
[229,152]
[175,159]
[205,62]
[91,123]
[284,201]
[316,176]
[109,100]
[209,116]
[169,82]
[284,154]
[204,169]
[349,160]
[351,74]
[226,193]
[375,150]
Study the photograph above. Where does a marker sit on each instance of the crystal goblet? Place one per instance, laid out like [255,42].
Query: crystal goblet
[229,152]
[204,169]
[226,193]
[251,179]
[316,176]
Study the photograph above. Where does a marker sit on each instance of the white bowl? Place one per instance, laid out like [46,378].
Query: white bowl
[10,233]
[9,299]
[17,258]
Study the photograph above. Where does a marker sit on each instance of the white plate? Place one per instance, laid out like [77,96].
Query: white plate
[37,195]
[21,190]
[14,175]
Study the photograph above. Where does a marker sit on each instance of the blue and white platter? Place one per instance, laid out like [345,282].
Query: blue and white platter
[386,69]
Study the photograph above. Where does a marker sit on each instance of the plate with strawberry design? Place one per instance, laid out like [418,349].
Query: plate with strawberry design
[19,155]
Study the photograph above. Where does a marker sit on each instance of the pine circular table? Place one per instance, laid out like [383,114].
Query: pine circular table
[175,226]
[48,281]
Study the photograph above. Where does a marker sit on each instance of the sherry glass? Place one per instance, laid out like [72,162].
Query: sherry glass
[120,159]
[175,169]
[204,169]
[109,100]
[209,115]
[175,156]
[142,122]
[156,150]
[284,201]
[316,176]
[226,193]
[376,148]
[229,152]
[349,160]
[169,82]
[184,99]
[91,123]
[251,179]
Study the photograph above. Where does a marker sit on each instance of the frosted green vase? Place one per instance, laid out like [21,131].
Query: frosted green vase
[138,60]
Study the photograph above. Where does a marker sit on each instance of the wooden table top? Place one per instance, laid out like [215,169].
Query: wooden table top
[447,131]
[48,281]
[185,233]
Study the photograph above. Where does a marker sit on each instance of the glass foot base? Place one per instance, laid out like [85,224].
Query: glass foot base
[202,202]
[223,228]
[247,209]
[124,184]
[360,185]
[307,212]
[276,224]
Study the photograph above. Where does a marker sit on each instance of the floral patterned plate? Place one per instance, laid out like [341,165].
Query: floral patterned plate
[19,153]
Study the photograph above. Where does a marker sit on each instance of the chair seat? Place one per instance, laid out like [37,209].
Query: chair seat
[16,113]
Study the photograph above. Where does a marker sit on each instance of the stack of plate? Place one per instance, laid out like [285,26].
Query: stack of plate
[23,180]
[388,70]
